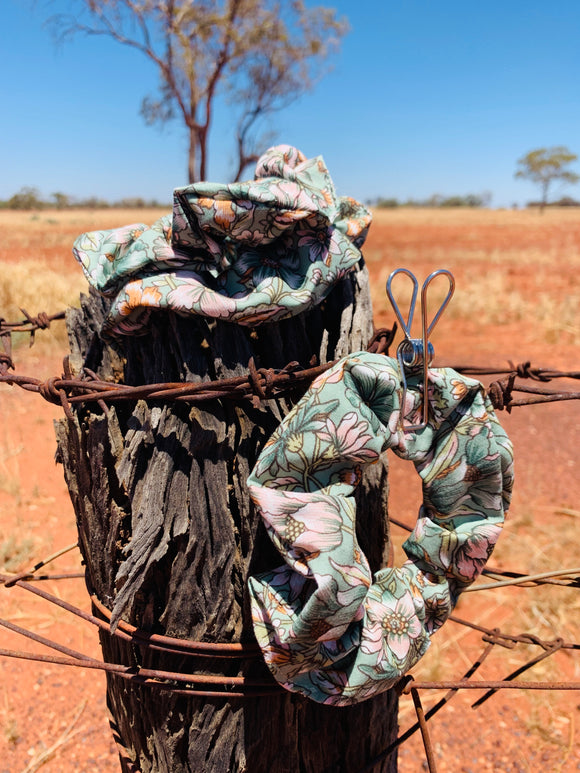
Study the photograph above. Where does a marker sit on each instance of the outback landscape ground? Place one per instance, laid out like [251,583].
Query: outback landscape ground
[517,299]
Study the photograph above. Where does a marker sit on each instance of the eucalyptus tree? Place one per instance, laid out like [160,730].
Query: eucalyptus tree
[544,166]
[258,55]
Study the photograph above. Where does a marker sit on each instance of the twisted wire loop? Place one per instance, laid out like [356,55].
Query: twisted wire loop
[382,340]
[501,393]
[6,362]
[30,324]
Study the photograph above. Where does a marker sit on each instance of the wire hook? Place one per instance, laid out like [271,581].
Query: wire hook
[415,353]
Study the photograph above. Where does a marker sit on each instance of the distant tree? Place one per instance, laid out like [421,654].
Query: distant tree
[131,202]
[470,200]
[545,166]
[436,201]
[259,54]
[566,201]
[386,203]
[26,198]
[93,202]
[61,200]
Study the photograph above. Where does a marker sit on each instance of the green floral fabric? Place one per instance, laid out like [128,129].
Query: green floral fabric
[329,629]
[246,252]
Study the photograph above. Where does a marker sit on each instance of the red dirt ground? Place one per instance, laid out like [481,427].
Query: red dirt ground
[53,718]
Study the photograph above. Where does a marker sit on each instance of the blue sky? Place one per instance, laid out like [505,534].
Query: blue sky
[424,97]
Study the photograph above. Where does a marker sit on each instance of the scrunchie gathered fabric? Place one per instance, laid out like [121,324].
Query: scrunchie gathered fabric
[246,252]
[328,629]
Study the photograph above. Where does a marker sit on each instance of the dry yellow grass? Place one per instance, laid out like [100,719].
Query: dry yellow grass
[510,266]
[37,268]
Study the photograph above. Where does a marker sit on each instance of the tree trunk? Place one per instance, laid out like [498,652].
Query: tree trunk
[544,201]
[169,538]
[192,161]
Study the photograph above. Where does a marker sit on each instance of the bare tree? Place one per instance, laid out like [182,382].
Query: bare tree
[546,165]
[260,54]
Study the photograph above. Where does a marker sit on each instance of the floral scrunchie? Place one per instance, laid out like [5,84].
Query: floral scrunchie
[328,629]
[245,252]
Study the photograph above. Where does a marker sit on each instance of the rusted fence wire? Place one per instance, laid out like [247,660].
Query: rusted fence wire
[30,324]
[242,687]
[69,390]
[259,384]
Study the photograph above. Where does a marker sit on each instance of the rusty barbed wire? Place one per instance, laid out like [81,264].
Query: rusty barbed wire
[264,383]
[522,370]
[30,324]
[259,384]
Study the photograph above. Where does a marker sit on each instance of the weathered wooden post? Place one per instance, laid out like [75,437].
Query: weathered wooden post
[169,538]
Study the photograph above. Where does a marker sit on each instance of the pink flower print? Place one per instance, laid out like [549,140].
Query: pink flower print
[332,376]
[274,502]
[314,528]
[391,630]
[471,556]
[285,193]
[163,252]
[357,578]
[252,237]
[126,234]
[290,195]
[307,526]
[279,161]
[193,296]
[348,439]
